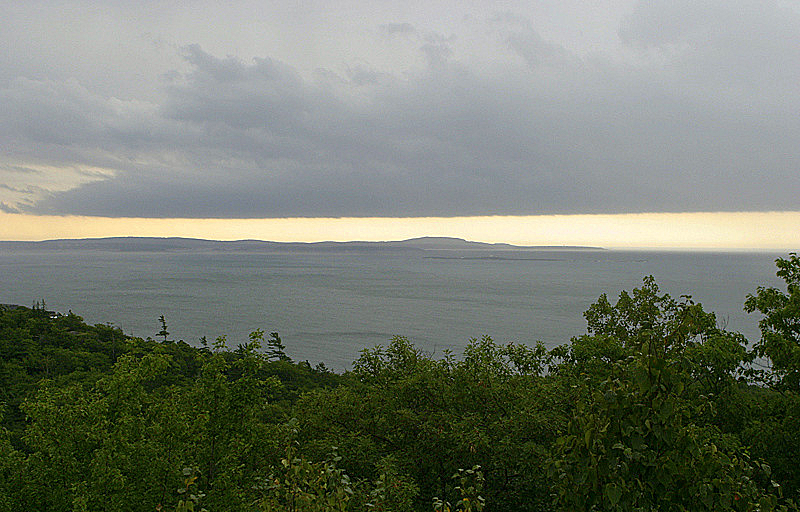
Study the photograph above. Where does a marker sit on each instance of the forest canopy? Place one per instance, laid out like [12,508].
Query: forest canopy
[655,407]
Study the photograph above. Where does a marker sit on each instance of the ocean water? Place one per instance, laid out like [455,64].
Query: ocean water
[328,307]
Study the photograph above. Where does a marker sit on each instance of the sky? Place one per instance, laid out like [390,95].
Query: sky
[404,117]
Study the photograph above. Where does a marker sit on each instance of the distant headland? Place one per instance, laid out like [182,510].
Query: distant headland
[173,244]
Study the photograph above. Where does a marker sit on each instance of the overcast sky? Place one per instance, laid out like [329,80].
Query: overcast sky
[386,108]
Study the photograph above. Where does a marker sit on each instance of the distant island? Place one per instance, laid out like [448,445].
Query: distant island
[171,244]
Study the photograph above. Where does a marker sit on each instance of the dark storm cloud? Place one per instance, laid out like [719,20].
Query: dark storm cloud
[7,209]
[702,116]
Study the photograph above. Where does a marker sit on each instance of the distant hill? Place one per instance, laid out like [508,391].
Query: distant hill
[171,244]
[440,243]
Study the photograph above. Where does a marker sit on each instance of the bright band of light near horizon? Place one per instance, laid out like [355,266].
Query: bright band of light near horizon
[694,230]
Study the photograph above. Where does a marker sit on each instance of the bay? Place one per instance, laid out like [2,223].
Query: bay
[327,307]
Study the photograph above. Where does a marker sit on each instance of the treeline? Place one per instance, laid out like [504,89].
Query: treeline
[655,408]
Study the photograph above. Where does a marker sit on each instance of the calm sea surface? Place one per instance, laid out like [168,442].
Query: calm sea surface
[327,307]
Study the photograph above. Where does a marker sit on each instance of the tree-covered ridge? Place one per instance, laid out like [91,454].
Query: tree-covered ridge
[654,408]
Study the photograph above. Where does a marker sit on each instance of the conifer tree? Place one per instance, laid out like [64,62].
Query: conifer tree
[163,332]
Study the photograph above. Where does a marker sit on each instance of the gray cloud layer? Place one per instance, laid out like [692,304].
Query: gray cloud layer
[696,109]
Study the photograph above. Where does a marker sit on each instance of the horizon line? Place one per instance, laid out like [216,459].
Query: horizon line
[765,230]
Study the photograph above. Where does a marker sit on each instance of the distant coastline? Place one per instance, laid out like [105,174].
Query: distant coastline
[175,244]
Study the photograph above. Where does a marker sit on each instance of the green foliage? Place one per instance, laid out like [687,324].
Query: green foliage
[654,408]
[190,496]
[470,485]
[768,423]
[299,484]
[10,475]
[634,446]
[637,441]
[780,327]
[391,491]
[112,438]
[647,321]
[493,408]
